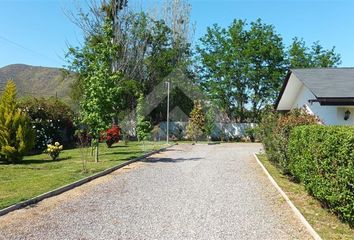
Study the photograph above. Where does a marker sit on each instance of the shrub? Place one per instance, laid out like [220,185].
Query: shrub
[251,133]
[143,126]
[111,136]
[196,123]
[321,157]
[52,121]
[275,129]
[16,133]
[82,138]
[54,150]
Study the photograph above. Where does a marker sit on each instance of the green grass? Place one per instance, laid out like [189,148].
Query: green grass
[38,174]
[326,224]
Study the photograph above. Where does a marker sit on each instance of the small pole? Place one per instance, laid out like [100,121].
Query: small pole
[168,112]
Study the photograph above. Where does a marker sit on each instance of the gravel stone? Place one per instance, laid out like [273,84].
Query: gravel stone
[187,192]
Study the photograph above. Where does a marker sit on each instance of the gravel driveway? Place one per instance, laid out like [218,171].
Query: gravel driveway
[187,192]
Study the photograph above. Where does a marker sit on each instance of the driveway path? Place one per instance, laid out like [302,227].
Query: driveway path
[187,192]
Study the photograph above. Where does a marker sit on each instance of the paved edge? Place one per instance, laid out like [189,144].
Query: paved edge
[76,184]
[298,214]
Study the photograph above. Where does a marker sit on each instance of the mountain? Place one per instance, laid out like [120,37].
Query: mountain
[37,81]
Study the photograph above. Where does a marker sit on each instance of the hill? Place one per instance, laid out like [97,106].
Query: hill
[37,81]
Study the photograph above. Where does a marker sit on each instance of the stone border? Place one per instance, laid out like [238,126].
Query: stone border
[298,214]
[76,184]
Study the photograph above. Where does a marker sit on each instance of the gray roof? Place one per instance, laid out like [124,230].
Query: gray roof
[328,82]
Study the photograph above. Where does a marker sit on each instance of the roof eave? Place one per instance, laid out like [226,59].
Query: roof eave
[336,101]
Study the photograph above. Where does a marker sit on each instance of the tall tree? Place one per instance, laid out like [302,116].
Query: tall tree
[150,48]
[265,69]
[222,67]
[241,67]
[101,86]
[301,56]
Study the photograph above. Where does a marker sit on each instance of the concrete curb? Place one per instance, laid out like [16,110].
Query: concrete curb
[298,214]
[76,184]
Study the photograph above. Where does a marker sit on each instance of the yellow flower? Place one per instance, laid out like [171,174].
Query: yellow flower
[56,144]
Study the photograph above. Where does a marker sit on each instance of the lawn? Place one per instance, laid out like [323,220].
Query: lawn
[326,224]
[38,174]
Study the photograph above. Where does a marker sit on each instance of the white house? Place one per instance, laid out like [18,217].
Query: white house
[325,92]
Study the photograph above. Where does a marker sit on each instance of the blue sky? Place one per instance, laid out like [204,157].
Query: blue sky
[37,32]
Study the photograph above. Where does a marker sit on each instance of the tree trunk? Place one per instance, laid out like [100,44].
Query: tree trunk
[96,154]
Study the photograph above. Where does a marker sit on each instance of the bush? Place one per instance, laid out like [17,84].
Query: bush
[275,129]
[321,157]
[82,138]
[111,136]
[16,133]
[52,121]
[54,150]
[251,133]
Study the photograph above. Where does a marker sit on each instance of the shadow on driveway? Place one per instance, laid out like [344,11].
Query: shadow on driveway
[170,160]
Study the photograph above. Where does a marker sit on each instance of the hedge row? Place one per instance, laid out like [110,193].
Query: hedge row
[322,158]
[274,131]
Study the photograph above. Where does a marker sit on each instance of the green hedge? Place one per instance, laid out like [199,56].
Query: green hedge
[274,131]
[322,158]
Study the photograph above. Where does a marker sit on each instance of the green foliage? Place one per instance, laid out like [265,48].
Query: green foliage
[196,123]
[241,66]
[51,119]
[321,157]
[300,56]
[210,119]
[143,126]
[148,50]
[16,134]
[275,129]
[100,84]
[251,133]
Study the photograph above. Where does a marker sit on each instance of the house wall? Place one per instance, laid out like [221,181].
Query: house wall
[329,115]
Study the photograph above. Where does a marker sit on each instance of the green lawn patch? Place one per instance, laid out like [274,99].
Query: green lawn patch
[326,224]
[38,174]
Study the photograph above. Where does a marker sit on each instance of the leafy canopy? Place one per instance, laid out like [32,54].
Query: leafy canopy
[100,88]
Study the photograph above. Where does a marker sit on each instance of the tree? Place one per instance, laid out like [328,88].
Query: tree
[16,133]
[264,55]
[196,123]
[143,126]
[301,56]
[101,86]
[222,67]
[150,48]
[241,67]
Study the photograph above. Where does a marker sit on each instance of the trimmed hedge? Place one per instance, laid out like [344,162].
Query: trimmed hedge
[322,158]
[274,131]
